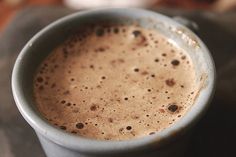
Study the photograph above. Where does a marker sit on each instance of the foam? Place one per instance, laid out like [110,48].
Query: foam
[115,83]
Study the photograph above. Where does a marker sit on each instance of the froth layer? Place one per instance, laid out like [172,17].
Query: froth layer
[115,83]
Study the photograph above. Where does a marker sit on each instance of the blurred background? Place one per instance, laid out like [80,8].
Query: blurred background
[213,136]
[8,8]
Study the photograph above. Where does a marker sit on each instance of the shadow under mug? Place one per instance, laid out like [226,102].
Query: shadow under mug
[57,143]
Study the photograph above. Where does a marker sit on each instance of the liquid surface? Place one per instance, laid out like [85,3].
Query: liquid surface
[115,83]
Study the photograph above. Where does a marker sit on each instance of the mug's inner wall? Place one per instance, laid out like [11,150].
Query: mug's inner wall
[44,43]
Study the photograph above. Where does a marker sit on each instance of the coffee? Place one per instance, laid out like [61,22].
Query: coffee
[115,83]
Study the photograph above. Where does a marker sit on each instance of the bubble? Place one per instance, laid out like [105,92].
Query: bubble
[173,108]
[136,33]
[68,104]
[52,70]
[136,70]
[135,117]
[151,133]
[65,51]
[183,57]
[73,132]
[41,87]
[121,130]
[110,120]
[116,30]
[91,66]
[170,82]
[66,92]
[164,54]
[128,128]
[162,110]
[175,62]
[99,32]
[94,107]
[79,125]
[53,85]
[156,60]
[39,79]
[144,73]
[108,30]
[75,110]
[63,127]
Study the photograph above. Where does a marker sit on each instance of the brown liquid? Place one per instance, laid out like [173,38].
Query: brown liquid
[115,83]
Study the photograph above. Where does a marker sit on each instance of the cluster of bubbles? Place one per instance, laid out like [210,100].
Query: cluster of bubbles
[43,81]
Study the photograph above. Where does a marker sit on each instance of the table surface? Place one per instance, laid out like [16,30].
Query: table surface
[9,9]
[214,135]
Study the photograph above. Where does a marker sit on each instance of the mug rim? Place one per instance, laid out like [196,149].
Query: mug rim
[93,146]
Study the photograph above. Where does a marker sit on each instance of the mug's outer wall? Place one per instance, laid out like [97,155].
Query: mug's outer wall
[175,149]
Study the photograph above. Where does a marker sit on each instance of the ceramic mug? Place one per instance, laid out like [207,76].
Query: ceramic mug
[58,143]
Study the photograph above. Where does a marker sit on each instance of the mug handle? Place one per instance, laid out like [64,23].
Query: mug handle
[186,22]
